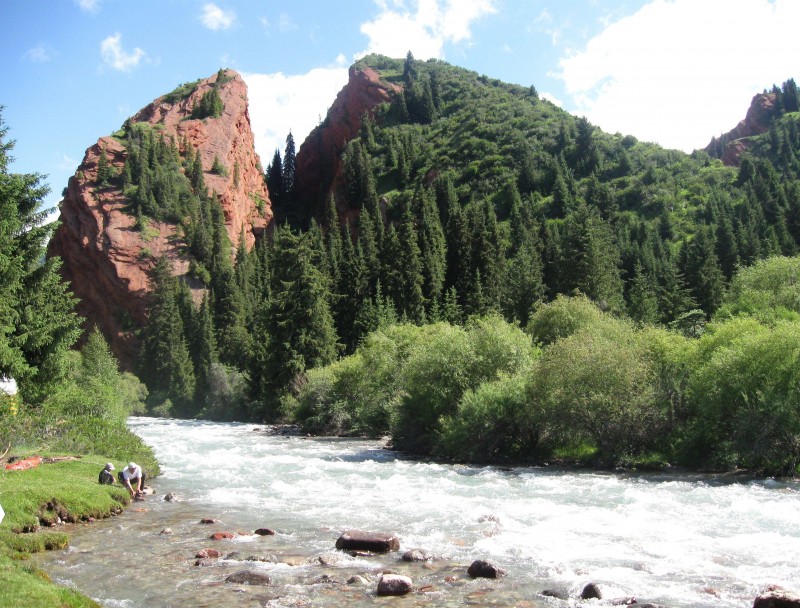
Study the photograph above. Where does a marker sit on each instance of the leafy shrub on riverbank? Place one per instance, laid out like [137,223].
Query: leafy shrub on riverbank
[85,413]
[599,386]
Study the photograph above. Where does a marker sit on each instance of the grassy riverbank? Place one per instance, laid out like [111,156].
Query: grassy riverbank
[37,503]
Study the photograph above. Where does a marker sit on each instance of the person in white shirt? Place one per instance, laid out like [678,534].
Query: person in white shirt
[133,476]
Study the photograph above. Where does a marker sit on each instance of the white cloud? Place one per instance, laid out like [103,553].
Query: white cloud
[214,18]
[425,28]
[279,103]
[89,6]
[38,54]
[115,57]
[681,72]
[285,23]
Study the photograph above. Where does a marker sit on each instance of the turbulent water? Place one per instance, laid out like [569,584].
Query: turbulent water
[670,539]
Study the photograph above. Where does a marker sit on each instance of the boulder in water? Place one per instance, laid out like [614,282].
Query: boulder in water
[777,598]
[416,555]
[221,535]
[394,584]
[265,532]
[591,592]
[483,569]
[205,553]
[208,520]
[374,542]
[170,497]
[248,577]
[357,580]
[558,594]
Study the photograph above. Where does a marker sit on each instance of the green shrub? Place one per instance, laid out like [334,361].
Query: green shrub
[745,393]
[495,421]
[601,388]
[563,317]
[769,290]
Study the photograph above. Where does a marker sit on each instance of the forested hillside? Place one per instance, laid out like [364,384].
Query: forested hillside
[464,196]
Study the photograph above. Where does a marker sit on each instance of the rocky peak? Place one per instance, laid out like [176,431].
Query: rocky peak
[105,258]
[319,158]
[731,145]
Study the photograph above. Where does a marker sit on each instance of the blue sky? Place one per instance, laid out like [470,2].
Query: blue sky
[671,71]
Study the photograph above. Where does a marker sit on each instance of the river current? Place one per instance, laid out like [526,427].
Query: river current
[671,539]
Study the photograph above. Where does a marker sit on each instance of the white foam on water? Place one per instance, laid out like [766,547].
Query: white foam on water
[677,540]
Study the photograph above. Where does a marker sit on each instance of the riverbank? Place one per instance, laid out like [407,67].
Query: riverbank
[38,503]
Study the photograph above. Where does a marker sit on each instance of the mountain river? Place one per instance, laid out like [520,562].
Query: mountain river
[672,539]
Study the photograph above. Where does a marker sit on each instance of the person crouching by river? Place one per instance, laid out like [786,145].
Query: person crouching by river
[106,476]
[132,477]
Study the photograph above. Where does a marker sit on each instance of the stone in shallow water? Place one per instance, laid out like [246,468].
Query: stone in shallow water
[394,584]
[483,569]
[248,577]
[374,542]
[591,592]
[416,555]
[221,535]
[204,553]
[777,598]
[556,593]
[265,532]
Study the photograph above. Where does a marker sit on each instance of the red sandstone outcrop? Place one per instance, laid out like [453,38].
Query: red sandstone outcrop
[319,158]
[106,259]
[757,121]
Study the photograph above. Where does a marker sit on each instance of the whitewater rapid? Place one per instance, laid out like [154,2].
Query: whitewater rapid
[676,540]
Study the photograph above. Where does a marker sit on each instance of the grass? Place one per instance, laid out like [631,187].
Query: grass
[34,500]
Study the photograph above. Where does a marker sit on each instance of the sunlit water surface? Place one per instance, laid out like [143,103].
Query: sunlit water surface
[670,539]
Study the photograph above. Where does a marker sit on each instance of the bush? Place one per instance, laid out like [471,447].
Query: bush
[768,290]
[745,392]
[495,421]
[442,368]
[563,317]
[601,388]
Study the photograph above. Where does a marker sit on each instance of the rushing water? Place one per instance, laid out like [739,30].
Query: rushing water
[671,539]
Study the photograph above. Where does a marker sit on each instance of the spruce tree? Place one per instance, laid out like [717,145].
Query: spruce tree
[38,323]
[166,366]
[289,168]
[295,325]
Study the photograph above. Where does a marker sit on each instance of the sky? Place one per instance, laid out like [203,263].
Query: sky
[676,72]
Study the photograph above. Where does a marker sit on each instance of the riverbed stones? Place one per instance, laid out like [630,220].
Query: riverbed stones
[777,598]
[248,577]
[483,569]
[170,497]
[416,555]
[357,580]
[556,593]
[208,520]
[205,553]
[373,542]
[394,584]
[221,535]
[591,592]
[265,532]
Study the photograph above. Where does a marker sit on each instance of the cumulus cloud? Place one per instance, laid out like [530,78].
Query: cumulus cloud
[89,6]
[646,74]
[38,54]
[214,18]
[280,102]
[116,57]
[422,26]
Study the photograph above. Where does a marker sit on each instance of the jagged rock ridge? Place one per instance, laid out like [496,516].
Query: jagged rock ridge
[106,259]
[731,145]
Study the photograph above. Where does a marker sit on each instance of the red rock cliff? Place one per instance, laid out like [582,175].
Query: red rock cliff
[106,259]
[757,121]
[319,157]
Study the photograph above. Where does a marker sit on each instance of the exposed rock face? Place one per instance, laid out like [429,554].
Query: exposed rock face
[318,160]
[106,259]
[757,121]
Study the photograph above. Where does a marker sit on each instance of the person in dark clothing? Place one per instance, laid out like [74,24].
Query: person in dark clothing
[106,476]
